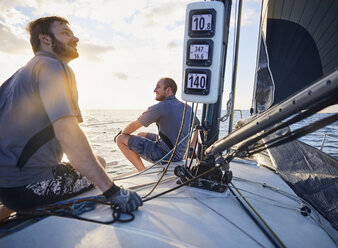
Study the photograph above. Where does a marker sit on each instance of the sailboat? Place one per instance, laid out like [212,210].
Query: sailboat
[225,198]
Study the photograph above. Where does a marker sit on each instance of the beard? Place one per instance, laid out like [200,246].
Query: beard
[64,50]
[160,98]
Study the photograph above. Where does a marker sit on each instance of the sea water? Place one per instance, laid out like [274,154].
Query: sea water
[101,126]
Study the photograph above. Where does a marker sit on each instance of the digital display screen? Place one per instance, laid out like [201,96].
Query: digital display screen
[199,52]
[197,81]
[201,22]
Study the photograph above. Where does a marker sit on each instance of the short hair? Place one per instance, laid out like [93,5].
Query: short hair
[170,83]
[41,26]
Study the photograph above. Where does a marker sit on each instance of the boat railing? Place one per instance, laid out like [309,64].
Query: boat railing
[240,111]
[324,140]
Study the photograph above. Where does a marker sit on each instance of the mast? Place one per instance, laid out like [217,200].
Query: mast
[234,70]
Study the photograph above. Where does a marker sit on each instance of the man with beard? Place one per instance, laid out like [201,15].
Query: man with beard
[39,118]
[167,115]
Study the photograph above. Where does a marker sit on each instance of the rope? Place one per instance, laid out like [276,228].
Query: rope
[153,165]
[172,155]
[225,160]
[262,224]
[70,209]
[232,223]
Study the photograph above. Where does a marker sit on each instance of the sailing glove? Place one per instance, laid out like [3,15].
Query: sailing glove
[127,200]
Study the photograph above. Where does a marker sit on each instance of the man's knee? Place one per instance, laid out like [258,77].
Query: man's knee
[122,139]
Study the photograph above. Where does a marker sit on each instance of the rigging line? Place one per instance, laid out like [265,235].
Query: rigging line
[286,194]
[271,235]
[299,133]
[231,94]
[292,120]
[179,186]
[146,185]
[296,134]
[102,123]
[152,166]
[295,198]
[234,38]
[271,202]
[192,129]
[267,199]
[232,223]
[192,124]
[282,205]
[193,152]
[226,159]
[173,153]
[313,215]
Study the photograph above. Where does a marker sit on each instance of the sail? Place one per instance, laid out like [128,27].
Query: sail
[298,45]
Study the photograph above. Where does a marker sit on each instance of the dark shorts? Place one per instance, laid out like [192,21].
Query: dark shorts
[66,183]
[147,148]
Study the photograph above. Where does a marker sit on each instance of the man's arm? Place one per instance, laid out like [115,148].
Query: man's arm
[75,144]
[131,127]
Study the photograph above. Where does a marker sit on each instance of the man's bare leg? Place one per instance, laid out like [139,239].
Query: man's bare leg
[133,157]
[102,161]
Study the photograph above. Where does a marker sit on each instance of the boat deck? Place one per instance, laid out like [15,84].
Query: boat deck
[187,217]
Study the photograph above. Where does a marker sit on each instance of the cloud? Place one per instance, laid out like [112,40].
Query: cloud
[10,43]
[121,75]
[93,51]
[249,17]
[174,44]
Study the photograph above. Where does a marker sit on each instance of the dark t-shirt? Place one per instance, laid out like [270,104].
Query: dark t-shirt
[37,95]
[167,115]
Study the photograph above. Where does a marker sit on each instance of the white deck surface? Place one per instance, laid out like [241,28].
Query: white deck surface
[187,217]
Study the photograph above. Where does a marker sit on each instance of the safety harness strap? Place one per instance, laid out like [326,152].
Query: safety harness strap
[166,140]
[38,140]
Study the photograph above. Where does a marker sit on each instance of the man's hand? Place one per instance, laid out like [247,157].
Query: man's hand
[127,200]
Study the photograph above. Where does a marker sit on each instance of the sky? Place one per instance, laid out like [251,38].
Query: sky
[125,47]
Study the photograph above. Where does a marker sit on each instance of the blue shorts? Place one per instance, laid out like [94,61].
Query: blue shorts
[66,183]
[147,148]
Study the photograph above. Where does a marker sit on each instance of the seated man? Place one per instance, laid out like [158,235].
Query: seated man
[167,114]
[39,118]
